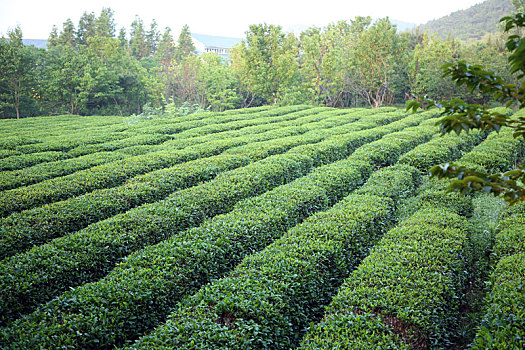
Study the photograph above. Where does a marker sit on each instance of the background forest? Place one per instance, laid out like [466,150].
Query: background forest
[91,69]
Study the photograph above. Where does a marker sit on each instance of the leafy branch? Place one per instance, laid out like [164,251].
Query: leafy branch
[459,116]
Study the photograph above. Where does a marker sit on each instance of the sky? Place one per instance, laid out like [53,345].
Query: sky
[217,17]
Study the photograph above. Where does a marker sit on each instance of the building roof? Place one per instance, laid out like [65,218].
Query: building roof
[39,43]
[216,41]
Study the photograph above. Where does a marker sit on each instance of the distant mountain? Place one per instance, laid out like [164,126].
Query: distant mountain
[402,26]
[472,23]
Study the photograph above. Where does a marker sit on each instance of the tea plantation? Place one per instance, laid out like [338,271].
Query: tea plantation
[263,228]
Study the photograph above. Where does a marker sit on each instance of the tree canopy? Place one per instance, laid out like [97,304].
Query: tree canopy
[459,116]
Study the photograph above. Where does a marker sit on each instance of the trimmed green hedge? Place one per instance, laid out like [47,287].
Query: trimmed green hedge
[25,298]
[81,144]
[40,172]
[20,231]
[441,149]
[408,289]
[104,176]
[25,160]
[411,282]
[269,299]
[500,153]
[44,171]
[503,324]
[32,277]
[196,256]
[110,174]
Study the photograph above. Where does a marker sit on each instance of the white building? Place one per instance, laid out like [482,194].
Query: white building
[209,43]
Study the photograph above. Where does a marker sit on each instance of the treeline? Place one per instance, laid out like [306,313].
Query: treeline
[89,69]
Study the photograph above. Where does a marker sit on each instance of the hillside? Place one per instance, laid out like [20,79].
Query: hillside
[472,23]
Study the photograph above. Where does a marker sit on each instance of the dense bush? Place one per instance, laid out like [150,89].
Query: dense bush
[42,272]
[503,324]
[411,282]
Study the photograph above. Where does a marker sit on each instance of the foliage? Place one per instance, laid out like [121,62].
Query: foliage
[378,51]
[181,194]
[346,64]
[265,62]
[16,78]
[185,45]
[460,116]
[502,326]
[473,23]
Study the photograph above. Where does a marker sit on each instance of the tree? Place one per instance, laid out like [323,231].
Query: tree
[68,34]
[378,53]
[53,37]
[459,116]
[139,44]
[185,45]
[86,28]
[105,23]
[153,37]
[322,64]
[424,68]
[220,84]
[166,50]
[17,65]
[122,38]
[266,61]
[65,82]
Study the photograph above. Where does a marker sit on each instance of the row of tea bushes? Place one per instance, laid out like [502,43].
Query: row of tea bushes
[357,120]
[107,175]
[441,149]
[148,139]
[29,159]
[71,128]
[43,171]
[92,181]
[32,227]
[339,146]
[39,274]
[445,148]
[207,126]
[34,167]
[21,231]
[103,176]
[270,298]
[503,324]
[27,131]
[26,160]
[40,172]
[148,277]
[501,153]
[78,145]
[406,293]
[14,146]
[268,301]
[195,200]
[25,127]
[69,141]
[217,122]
